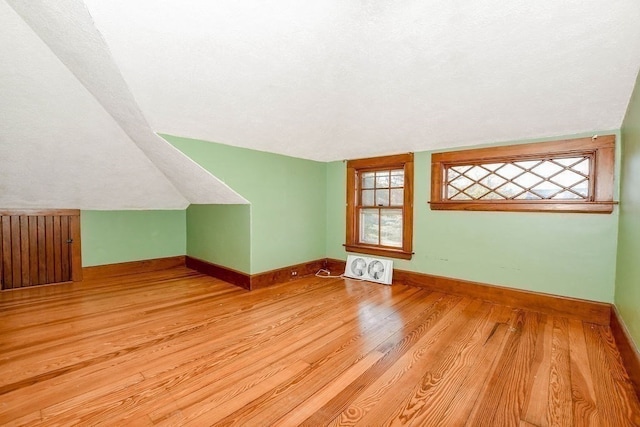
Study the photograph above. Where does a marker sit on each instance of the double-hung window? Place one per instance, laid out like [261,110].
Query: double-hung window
[380,206]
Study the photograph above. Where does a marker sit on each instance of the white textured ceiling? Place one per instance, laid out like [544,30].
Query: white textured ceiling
[335,79]
[84,86]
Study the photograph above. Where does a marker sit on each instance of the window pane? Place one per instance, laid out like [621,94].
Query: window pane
[476,191]
[582,189]
[510,190]
[493,181]
[368,180]
[567,195]
[382,197]
[493,166]
[391,227]
[461,196]
[567,178]
[527,180]
[509,171]
[382,179]
[546,190]
[461,169]
[547,169]
[369,226]
[451,192]
[528,164]
[397,197]
[461,183]
[582,167]
[397,178]
[367,198]
[567,162]
[476,173]
[492,196]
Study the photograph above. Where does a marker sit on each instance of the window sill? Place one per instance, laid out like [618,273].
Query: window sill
[369,250]
[531,206]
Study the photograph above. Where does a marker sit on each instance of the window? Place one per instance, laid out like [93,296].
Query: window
[380,206]
[561,176]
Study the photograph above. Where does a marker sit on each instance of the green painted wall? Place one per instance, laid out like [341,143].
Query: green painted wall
[120,236]
[558,253]
[287,198]
[220,234]
[627,296]
[297,214]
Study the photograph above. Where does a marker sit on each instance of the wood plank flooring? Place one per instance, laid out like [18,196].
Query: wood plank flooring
[179,348]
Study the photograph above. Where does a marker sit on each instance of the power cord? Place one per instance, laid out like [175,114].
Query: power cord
[326,274]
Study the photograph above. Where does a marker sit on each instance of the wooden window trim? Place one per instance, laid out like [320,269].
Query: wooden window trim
[602,148]
[354,167]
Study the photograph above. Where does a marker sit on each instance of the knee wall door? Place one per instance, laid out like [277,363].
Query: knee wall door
[39,247]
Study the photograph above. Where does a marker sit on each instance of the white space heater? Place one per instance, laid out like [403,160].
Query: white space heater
[371,269]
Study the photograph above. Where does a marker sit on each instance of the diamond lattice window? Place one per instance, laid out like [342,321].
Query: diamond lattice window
[550,179]
[574,175]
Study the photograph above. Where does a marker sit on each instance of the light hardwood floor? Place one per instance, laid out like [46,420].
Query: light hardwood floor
[179,348]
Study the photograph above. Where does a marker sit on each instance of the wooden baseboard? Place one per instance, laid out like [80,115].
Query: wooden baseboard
[229,275]
[589,311]
[627,348]
[255,281]
[335,266]
[286,274]
[133,267]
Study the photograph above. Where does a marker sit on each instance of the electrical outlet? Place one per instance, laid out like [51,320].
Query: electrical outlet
[294,273]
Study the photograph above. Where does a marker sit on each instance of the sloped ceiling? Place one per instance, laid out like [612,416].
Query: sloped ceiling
[88,84]
[72,133]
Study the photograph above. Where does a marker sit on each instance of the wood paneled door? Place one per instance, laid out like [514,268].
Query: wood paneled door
[39,247]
